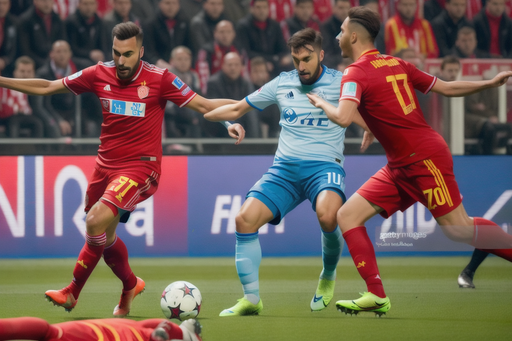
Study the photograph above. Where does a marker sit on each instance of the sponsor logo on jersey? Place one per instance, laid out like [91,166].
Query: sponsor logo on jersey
[143,90]
[290,95]
[289,115]
[124,108]
[107,87]
[186,91]
[178,83]
[75,75]
[345,72]
[349,89]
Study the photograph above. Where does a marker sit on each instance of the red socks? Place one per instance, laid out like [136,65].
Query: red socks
[489,237]
[363,255]
[87,260]
[116,257]
[26,328]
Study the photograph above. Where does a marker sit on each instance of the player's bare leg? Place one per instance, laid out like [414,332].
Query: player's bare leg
[351,218]
[478,232]
[97,221]
[253,214]
[327,205]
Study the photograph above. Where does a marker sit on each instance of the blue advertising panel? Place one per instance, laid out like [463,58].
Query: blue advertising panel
[193,212]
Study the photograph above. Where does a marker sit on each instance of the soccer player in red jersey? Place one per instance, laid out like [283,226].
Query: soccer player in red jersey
[32,328]
[133,95]
[420,165]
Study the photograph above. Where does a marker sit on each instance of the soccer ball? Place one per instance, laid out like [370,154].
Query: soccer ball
[181,300]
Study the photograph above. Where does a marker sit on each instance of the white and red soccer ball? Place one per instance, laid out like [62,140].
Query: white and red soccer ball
[181,300]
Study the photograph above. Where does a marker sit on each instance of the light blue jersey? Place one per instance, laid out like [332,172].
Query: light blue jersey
[306,132]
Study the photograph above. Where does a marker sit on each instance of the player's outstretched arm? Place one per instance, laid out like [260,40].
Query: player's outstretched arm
[203,105]
[343,115]
[34,86]
[229,112]
[464,88]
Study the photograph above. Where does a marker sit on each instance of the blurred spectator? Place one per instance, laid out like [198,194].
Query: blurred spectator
[234,10]
[39,28]
[144,10]
[258,35]
[183,122]
[18,7]
[494,29]
[16,115]
[466,45]
[270,116]
[447,24]
[303,12]
[229,83]
[121,12]
[64,8]
[62,107]
[406,30]
[450,69]
[323,10]
[330,30]
[432,8]
[379,40]
[209,58]
[86,32]
[191,8]
[168,29]
[203,23]
[8,38]
[481,121]
[279,9]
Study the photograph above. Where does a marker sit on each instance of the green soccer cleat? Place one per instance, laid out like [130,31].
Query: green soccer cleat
[323,295]
[243,307]
[367,302]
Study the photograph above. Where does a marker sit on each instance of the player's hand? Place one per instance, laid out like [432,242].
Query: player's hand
[315,100]
[161,332]
[501,78]
[368,139]
[237,132]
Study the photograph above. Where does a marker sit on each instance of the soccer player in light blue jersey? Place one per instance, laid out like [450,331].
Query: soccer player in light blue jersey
[308,165]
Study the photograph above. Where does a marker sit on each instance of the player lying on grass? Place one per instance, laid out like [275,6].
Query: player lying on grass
[133,95]
[32,328]
[420,165]
[308,165]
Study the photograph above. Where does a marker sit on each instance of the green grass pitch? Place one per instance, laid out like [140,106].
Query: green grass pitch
[427,303]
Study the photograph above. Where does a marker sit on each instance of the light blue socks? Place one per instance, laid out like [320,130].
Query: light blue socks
[248,259]
[332,245]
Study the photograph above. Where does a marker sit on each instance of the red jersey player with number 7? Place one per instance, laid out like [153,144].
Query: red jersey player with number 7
[133,94]
[420,165]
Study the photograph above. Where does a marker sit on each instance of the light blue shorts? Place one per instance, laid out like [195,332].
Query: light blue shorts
[286,184]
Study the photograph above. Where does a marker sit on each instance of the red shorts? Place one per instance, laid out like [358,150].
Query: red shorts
[430,182]
[121,188]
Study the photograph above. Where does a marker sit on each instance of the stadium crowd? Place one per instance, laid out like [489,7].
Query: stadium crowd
[229,48]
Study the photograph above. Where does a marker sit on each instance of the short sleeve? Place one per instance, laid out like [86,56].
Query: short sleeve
[81,81]
[420,80]
[352,84]
[175,90]
[264,96]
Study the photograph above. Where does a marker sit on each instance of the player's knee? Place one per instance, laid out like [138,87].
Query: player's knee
[328,222]
[245,224]
[460,234]
[94,224]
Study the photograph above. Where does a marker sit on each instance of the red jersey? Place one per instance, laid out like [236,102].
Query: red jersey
[383,87]
[133,111]
[107,330]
